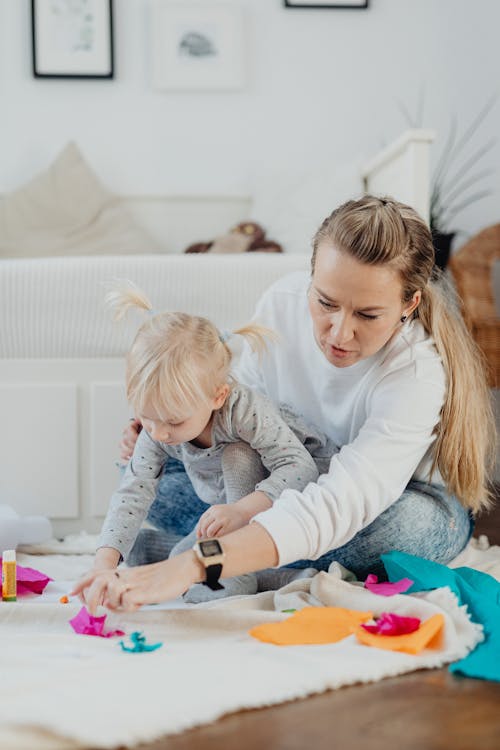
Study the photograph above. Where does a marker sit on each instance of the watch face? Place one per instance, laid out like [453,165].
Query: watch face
[210,548]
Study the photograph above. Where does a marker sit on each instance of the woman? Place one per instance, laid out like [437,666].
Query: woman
[374,352]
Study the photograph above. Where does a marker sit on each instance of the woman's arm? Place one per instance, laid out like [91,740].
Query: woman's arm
[366,476]
[246,550]
[130,434]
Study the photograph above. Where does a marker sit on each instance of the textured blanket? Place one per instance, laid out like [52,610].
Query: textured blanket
[62,690]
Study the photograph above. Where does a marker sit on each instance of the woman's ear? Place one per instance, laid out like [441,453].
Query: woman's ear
[221,395]
[415,301]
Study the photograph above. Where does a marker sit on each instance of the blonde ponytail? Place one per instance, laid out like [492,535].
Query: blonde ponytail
[466,435]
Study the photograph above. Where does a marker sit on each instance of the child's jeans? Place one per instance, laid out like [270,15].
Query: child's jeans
[426,521]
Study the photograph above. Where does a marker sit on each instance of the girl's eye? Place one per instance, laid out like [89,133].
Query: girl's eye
[368,317]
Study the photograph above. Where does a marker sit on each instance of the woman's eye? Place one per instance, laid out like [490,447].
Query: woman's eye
[368,317]
[325,304]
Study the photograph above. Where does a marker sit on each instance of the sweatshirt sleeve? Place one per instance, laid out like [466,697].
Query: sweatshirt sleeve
[256,421]
[130,503]
[366,476]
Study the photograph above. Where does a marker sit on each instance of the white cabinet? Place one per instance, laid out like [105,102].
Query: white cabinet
[61,425]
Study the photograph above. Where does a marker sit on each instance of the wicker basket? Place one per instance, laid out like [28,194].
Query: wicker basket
[472,270]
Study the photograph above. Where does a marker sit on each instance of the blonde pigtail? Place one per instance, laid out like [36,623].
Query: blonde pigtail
[123,295]
[258,336]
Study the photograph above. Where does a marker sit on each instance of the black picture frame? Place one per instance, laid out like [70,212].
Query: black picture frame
[318,5]
[76,59]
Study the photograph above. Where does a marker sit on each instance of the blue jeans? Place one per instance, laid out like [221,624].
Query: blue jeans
[426,521]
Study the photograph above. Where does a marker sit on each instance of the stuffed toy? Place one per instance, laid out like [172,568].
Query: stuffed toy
[243,238]
[15,529]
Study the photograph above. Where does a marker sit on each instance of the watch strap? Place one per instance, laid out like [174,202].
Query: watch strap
[212,577]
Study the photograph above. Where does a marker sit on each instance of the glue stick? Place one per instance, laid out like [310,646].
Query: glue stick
[9,589]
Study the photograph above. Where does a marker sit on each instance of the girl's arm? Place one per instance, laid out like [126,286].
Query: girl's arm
[255,420]
[251,418]
[227,517]
[130,503]
[106,558]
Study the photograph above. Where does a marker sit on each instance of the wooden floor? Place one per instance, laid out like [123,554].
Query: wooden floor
[426,710]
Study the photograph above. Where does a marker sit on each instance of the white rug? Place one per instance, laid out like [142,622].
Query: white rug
[62,690]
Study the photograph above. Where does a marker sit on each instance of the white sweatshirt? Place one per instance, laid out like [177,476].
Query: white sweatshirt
[382,411]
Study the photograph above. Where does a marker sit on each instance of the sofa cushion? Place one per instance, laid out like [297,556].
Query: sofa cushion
[66,210]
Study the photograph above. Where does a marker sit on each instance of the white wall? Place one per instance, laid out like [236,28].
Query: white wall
[322,89]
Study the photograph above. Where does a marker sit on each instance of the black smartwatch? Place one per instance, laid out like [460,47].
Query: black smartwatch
[211,555]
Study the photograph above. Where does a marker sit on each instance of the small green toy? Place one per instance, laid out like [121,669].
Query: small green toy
[139,644]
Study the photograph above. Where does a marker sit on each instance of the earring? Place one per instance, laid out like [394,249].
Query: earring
[404,318]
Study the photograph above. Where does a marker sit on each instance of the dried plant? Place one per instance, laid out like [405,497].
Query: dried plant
[455,184]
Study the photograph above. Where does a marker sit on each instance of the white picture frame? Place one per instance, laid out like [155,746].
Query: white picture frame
[72,38]
[197,46]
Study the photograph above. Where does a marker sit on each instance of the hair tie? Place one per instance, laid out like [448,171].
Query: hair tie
[224,336]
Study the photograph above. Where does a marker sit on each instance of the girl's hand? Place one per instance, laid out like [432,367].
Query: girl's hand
[129,588]
[221,519]
[92,587]
[129,439]
[106,559]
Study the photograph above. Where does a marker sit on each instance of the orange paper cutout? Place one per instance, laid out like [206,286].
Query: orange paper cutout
[312,625]
[427,636]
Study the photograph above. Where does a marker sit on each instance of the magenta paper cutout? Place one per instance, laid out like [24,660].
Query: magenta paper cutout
[29,580]
[391,624]
[385,588]
[86,624]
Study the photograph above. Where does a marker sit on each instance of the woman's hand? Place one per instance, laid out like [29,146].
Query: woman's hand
[129,439]
[221,519]
[128,589]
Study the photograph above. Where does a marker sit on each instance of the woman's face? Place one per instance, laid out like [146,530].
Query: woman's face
[355,307]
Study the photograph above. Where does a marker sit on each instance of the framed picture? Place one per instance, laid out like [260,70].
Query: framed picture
[197,46]
[360,4]
[72,38]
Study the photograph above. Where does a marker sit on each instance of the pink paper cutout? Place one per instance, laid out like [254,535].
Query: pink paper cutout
[29,580]
[385,588]
[390,624]
[87,624]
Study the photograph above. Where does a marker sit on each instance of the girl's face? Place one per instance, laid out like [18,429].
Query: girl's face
[190,427]
[355,307]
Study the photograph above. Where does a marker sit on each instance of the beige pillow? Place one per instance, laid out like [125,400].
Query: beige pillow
[66,210]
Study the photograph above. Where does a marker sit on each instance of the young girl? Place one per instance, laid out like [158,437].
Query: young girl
[178,383]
